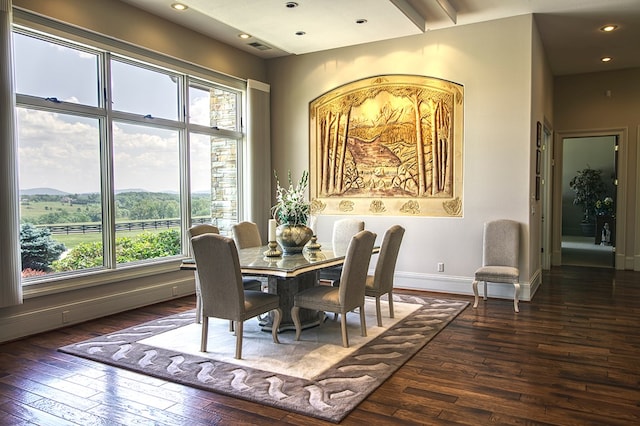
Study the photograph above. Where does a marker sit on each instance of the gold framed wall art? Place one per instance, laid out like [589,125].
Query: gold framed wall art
[388,145]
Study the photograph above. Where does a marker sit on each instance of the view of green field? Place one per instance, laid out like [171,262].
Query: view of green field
[32,210]
[60,229]
[72,240]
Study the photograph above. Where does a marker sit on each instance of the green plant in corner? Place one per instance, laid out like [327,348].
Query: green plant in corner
[589,188]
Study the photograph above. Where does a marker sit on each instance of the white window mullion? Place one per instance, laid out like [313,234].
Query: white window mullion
[108,193]
[49,105]
[185,184]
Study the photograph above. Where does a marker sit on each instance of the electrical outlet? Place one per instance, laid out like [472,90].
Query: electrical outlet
[440,267]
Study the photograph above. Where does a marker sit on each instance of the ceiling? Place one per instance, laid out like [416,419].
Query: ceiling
[569,28]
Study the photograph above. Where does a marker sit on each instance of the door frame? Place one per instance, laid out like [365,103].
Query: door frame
[547,201]
[621,198]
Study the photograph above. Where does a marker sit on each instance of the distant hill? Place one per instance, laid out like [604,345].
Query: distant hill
[42,191]
[126,190]
[52,191]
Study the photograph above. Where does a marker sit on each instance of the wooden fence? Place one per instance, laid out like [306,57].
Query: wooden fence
[75,228]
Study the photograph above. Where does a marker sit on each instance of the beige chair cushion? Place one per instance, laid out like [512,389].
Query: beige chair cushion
[498,274]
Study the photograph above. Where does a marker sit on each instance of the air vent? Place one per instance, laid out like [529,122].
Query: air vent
[259,46]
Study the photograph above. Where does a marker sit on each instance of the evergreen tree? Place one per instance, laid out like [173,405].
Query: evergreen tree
[38,248]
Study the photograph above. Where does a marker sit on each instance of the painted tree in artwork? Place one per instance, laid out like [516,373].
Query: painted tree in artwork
[417,97]
[441,148]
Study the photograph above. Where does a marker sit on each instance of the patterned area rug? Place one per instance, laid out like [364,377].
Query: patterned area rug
[344,379]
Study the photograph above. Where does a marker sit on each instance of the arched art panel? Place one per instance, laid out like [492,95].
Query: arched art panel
[388,145]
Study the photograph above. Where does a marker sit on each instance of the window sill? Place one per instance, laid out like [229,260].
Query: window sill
[61,284]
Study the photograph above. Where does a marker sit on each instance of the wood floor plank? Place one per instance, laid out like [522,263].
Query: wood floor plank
[570,357]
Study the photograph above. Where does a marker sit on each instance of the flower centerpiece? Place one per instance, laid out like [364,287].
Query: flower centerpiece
[604,207]
[291,211]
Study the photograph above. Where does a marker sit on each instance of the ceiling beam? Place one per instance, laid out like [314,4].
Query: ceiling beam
[449,10]
[413,15]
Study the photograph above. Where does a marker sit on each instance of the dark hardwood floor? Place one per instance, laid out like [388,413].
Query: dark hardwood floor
[570,357]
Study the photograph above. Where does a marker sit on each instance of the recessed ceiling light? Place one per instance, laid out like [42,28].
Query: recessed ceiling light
[291,4]
[606,59]
[179,6]
[300,33]
[608,28]
[244,36]
[361,21]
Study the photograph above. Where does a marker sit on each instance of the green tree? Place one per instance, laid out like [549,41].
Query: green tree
[82,256]
[201,206]
[148,245]
[37,247]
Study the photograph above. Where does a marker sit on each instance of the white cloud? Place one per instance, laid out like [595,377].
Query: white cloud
[58,152]
[62,152]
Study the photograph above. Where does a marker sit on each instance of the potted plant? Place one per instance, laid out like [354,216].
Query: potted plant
[291,211]
[589,188]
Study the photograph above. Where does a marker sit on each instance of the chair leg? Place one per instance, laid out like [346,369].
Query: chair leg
[198,299]
[378,311]
[239,327]
[343,327]
[198,310]
[390,296]
[276,324]
[475,293]
[363,321]
[205,333]
[295,311]
[516,293]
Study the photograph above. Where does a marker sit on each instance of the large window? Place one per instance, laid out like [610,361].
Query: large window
[117,157]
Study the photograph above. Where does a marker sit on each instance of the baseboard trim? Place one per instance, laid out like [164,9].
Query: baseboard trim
[37,315]
[459,285]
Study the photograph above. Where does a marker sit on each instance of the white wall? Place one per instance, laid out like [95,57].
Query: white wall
[493,62]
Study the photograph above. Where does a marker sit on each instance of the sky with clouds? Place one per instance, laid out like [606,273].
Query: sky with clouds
[61,151]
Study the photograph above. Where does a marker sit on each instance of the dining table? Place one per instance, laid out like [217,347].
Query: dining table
[287,275]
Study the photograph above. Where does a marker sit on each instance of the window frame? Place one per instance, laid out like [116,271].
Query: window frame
[187,73]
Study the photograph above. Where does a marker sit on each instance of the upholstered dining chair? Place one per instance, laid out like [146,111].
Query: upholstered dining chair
[348,295]
[343,230]
[203,228]
[381,282]
[246,234]
[223,295]
[500,252]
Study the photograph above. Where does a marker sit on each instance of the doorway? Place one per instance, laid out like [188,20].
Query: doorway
[588,225]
